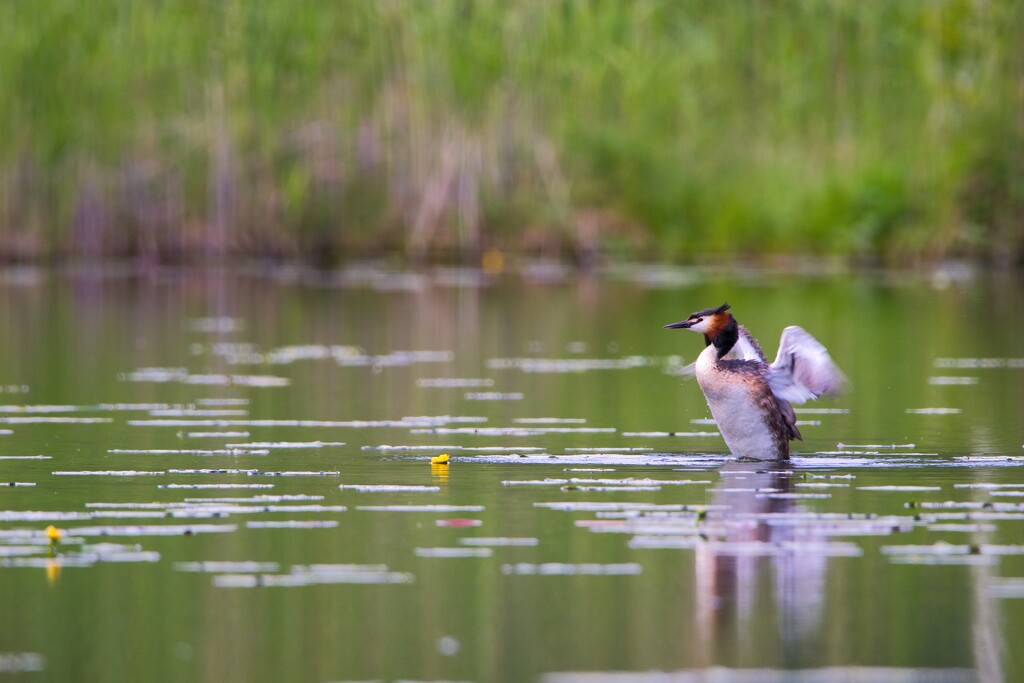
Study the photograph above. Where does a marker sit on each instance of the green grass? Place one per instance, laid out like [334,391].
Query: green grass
[666,130]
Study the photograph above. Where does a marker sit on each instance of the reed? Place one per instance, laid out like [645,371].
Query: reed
[179,130]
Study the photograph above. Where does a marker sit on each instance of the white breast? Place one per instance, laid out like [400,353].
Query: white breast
[733,401]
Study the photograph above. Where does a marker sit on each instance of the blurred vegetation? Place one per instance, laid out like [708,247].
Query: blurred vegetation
[649,129]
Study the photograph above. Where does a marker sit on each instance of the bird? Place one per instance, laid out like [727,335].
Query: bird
[750,399]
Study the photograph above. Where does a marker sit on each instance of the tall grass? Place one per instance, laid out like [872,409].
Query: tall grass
[658,129]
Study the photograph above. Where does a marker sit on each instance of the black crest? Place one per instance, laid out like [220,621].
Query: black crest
[710,311]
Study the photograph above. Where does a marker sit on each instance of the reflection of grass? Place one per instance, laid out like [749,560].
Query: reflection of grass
[643,128]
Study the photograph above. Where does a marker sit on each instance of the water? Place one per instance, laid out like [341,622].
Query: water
[239,467]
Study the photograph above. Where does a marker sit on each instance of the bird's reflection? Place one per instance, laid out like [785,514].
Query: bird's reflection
[748,529]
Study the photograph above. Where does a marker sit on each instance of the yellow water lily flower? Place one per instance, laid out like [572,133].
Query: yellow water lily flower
[53,533]
[439,459]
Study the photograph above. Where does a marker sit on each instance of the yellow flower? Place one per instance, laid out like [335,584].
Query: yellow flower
[53,533]
[440,459]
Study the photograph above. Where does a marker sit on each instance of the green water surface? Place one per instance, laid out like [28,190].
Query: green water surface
[756,581]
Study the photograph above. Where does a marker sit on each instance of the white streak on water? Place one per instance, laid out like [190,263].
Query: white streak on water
[967,505]
[634,481]
[256,499]
[21,550]
[55,420]
[198,412]
[38,409]
[625,449]
[801,548]
[315,575]
[186,451]
[217,324]
[293,524]
[297,473]
[213,471]
[987,486]
[664,434]
[216,486]
[494,396]
[963,528]
[153,530]
[979,363]
[474,449]
[389,488]
[213,435]
[1006,588]
[564,569]
[899,488]
[207,508]
[107,473]
[454,382]
[129,514]
[558,365]
[20,662]
[259,381]
[703,462]
[413,448]
[794,496]
[990,459]
[983,560]
[515,431]
[182,375]
[284,444]
[821,485]
[453,552]
[129,556]
[943,548]
[581,506]
[664,542]
[607,489]
[222,566]
[1014,514]
[404,422]
[499,541]
[41,516]
[420,508]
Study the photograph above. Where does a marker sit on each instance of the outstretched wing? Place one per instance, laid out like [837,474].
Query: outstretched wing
[686,371]
[803,369]
[746,347]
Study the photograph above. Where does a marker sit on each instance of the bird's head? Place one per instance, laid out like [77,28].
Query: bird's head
[716,324]
[710,321]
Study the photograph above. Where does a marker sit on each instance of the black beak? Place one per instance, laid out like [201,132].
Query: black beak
[681,325]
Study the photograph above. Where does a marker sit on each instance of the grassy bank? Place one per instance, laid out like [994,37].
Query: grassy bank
[171,130]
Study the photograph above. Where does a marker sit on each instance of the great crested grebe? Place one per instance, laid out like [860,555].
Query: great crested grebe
[750,399]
